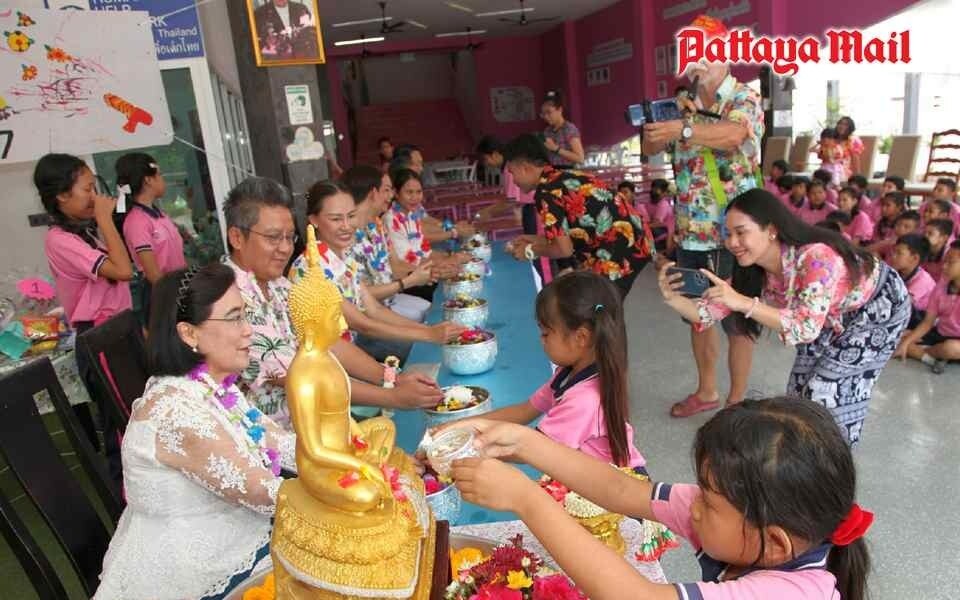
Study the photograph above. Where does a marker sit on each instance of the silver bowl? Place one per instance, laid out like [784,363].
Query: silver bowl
[484,252]
[474,317]
[445,504]
[435,418]
[453,288]
[475,266]
[470,359]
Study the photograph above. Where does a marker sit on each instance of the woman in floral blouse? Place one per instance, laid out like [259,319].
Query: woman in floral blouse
[581,217]
[843,309]
[332,210]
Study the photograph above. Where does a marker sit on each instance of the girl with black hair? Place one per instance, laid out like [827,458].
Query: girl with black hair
[662,218]
[90,267]
[561,138]
[850,146]
[152,237]
[202,465]
[773,513]
[842,308]
[861,227]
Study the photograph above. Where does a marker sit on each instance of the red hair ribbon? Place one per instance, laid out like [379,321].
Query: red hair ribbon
[853,527]
[711,25]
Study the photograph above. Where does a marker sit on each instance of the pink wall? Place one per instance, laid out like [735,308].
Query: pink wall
[508,62]
[813,16]
[554,67]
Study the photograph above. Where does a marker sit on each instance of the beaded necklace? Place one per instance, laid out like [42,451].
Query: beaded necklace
[227,397]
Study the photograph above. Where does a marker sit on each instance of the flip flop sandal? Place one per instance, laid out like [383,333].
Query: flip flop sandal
[691,406]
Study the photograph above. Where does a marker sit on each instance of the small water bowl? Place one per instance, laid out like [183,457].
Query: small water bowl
[475,266]
[446,504]
[484,404]
[465,284]
[450,445]
[474,315]
[471,358]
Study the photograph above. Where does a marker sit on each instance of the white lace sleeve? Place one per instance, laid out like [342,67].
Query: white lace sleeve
[191,438]
[284,441]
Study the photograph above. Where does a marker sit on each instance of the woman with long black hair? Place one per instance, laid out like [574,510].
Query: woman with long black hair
[842,308]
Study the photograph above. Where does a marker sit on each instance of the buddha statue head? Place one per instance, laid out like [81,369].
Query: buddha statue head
[316,306]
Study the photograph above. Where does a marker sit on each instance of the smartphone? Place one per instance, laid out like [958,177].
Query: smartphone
[694,282]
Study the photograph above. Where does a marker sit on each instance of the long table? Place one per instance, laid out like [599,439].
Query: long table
[521,365]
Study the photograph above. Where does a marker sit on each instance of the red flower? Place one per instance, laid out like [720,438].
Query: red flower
[359,443]
[576,206]
[411,257]
[557,490]
[425,245]
[392,475]
[555,587]
[349,479]
[497,592]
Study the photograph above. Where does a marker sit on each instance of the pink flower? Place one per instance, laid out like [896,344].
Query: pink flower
[497,592]
[555,587]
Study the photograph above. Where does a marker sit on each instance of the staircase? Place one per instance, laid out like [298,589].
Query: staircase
[436,126]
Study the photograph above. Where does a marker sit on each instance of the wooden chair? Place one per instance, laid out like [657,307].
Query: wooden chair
[37,465]
[869,155]
[776,148]
[944,158]
[800,152]
[903,160]
[117,352]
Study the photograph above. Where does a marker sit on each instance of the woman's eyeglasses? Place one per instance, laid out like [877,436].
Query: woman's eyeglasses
[238,320]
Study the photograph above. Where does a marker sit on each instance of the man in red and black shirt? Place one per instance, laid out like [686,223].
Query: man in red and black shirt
[582,218]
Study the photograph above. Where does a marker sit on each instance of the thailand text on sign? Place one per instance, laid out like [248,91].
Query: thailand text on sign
[609,52]
[176,26]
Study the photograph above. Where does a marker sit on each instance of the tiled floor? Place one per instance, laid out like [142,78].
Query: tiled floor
[908,459]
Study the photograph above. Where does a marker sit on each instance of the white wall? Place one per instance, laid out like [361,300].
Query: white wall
[391,79]
[218,41]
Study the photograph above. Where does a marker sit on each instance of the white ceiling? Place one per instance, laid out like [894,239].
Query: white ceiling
[439,17]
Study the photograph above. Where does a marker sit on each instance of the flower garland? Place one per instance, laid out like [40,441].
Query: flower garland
[227,397]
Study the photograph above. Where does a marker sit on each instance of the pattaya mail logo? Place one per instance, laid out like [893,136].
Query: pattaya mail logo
[786,54]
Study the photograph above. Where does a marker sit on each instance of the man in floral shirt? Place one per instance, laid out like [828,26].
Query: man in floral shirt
[713,162]
[261,234]
[581,217]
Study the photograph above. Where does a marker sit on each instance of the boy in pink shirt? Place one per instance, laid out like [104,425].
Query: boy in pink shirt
[797,199]
[907,256]
[778,169]
[939,233]
[817,207]
[936,340]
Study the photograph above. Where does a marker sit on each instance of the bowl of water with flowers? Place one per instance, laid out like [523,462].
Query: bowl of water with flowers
[467,311]
[463,284]
[472,352]
[479,247]
[442,496]
[459,402]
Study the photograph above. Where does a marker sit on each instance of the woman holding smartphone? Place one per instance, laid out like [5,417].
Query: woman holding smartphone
[842,308]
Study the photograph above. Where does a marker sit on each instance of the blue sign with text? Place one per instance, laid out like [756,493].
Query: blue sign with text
[176,25]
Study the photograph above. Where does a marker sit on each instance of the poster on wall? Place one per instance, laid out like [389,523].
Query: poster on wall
[286,33]
[299,108]
[672,59]
[64,90]
[512,104]
[662,88]
[661,55]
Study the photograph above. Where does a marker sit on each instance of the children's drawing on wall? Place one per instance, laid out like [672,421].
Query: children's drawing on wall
[65,90]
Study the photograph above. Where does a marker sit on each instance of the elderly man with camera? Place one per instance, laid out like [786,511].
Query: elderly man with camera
[715,150]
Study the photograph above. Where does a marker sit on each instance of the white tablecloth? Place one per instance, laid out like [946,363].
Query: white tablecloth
[501,532]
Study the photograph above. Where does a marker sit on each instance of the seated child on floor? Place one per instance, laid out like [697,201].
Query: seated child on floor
[891,206]
[836,222]
[778,169]
[935,209]
[860,228]
[936,340]
[865,203]
[772,515]
[817,207]
[797,200]
[826,178]
[906,259]
[939,233]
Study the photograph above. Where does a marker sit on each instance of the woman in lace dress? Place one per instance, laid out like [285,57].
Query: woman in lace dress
[201,466]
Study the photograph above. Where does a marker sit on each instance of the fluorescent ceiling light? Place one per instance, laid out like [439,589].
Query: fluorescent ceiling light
[359,41]
[363,22]
[456,33]
[416,23]
[497,13]
[459,7]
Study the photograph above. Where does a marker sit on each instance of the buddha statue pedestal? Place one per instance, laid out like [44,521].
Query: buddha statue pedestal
[386,553]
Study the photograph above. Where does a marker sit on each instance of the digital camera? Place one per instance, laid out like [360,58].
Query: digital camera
[653,111]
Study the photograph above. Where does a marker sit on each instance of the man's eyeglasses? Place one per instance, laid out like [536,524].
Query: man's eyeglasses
[276,239]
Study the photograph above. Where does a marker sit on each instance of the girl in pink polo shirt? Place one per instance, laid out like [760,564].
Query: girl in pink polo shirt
[817,207]
[936,340]
[860,229]
[152,237]
[86,256]
[662,222]
[772,514]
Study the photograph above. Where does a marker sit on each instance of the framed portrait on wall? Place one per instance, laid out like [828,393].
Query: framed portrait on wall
[285,32]
[672,60]
[662,88]
[661,54]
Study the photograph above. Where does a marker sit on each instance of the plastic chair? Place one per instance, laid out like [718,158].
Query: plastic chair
[776,148]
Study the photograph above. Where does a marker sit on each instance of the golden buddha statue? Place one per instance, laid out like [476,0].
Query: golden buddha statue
[354,523]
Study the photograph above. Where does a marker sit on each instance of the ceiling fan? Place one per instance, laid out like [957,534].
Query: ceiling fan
[386,27]
[523,20]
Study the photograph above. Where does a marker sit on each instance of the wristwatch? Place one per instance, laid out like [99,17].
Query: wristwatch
[687,132]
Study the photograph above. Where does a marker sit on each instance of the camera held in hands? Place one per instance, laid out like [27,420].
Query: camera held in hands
[653,111]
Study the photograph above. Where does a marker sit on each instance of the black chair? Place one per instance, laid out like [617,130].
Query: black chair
[35,564]
[33,459]
[119,358]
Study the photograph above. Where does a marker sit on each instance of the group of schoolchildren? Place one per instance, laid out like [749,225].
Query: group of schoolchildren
[918,243]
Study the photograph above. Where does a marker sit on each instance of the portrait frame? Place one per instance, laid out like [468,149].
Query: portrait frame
[661,59]
[283,49]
